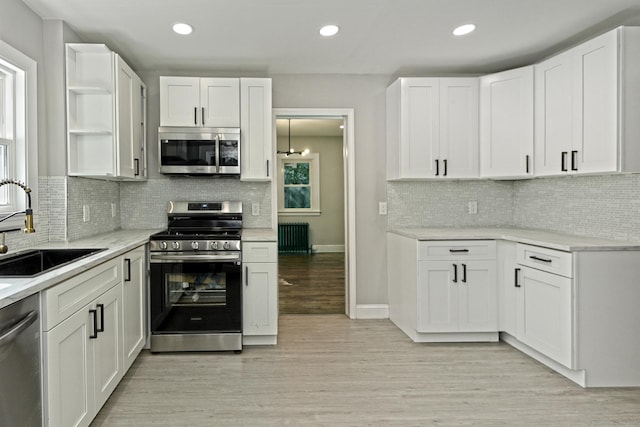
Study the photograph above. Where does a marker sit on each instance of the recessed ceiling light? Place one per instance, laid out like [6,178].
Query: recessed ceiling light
[329,30]
[182,28]
[464,29]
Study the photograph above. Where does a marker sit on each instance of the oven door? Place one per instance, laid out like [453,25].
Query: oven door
[195,293]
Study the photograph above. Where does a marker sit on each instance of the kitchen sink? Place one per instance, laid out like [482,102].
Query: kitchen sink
[33,262]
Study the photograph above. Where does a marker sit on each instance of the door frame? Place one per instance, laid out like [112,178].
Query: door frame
[348,153]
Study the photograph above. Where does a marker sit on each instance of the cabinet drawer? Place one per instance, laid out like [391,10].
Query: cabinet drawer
[62,300]
[551,260]
[259,252]
[456,250]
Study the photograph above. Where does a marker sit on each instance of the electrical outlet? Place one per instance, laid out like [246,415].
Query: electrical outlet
[382,208]
[86,217]
[255,209]
[472,208]
[113,210]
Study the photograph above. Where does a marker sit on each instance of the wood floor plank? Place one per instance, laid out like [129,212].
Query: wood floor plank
[311,284]
[329,370]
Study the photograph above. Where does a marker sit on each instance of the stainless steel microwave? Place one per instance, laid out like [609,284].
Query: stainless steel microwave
[199,151]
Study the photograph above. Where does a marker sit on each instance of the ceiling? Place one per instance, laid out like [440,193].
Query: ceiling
[388,37]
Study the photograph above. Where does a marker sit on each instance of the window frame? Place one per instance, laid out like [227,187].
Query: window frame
[314,183]
[23,139]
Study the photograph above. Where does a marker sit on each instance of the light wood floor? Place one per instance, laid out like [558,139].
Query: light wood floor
[327,370]
[311,284]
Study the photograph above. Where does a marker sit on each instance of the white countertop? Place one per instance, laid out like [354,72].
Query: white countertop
[548,239]
[259,235]
[13,289]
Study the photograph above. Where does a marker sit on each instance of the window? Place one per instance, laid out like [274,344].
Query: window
[18,130]
[299,184]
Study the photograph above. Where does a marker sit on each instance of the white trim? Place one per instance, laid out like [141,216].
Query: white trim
[350,188]
[259,339]
[372,311]
[327,248]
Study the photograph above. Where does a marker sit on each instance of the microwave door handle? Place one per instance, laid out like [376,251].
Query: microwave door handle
[217,153]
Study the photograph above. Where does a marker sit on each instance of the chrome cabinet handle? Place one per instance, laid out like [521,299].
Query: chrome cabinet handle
[454,251]
[455,273]
[526,163]
[464,273]
[574,160]
[202,116]
[445,167]
[437,168]
[563,161]
[195,115]
[246,275]
[515,281]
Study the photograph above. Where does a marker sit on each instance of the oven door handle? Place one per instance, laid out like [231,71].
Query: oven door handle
[193,258]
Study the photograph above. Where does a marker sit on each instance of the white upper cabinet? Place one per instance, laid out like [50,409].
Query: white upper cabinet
[199,101]
[432,128]
[106,115]
[506,124]
[256,129]
[585,98]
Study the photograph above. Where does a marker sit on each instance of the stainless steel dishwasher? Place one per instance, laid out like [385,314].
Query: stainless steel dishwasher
[20,397]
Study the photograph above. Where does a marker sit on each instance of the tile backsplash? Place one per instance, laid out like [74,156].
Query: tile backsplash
[606,206]
[417,204]
[144,204]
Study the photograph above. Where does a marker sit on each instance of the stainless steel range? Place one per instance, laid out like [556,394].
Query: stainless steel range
[196,278]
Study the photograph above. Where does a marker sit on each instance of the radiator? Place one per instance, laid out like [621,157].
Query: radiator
[293,237]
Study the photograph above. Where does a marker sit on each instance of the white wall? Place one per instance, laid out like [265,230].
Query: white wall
[366,95]
[326,229]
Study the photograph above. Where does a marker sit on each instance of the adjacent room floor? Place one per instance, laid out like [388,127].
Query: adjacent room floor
[311,284]
[329,370]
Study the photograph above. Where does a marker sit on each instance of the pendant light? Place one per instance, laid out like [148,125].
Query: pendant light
[291,150]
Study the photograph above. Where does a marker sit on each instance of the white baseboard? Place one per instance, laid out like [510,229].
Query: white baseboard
[327,248]
[372,311]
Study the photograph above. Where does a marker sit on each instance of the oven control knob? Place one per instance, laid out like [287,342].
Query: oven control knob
[214,246]
[163,245]
[175,245]
[194,245]
[226,245]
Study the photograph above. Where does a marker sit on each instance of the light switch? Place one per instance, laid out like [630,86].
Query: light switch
[255,209]
[85,213]
[473,207]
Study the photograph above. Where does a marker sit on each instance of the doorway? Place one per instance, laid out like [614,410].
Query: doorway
[328,271]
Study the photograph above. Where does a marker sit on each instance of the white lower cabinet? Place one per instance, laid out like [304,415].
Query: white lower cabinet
[545,314]
[134,303]
[83,352]
[260,293]
[443,290]
[457,296]
[93,329]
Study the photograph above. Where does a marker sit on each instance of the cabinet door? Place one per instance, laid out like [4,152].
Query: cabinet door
[553,117]
[260,299]
[69,371]
[595,120]
[420,128]
[256,129]
[506,124]
[128,145]
[140,129]
[508,288]
[477,296]
[108,346]
[458,152]
[133,304]
[179,101]
[219,102]
[547,314]
[437,302]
